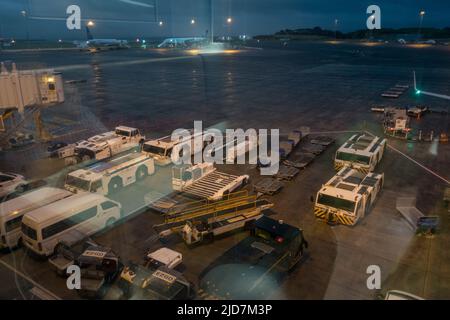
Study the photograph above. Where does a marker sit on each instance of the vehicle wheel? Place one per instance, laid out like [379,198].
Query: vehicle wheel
[110,222]
[141,173]
[115,185]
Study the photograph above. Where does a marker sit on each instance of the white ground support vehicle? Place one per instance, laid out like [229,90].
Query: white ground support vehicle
[232,150]
[67,221]
[102,146]
[204,181]
[12,211]
[348,196]
[163,257]
[9,182]
[108,177]
[161,149]
[361,152]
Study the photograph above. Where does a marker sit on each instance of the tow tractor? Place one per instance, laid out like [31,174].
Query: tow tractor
[108,177]
[348,196]
[161,149]
[361,152]
[101,146]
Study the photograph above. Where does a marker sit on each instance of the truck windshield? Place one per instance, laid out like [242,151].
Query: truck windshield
[351,157]
[122,133]
[154,150]
[337,203]
[77,183]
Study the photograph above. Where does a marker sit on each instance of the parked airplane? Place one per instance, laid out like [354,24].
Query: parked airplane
[95,45]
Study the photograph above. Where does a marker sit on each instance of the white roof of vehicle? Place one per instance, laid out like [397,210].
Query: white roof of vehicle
[64,206]
[32,200]
[361,144]
[347,184]
[125,128]
[165,255]
[85,174]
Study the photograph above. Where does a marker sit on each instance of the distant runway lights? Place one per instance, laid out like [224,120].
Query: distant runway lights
[229,20]
[161,23]
[192,21]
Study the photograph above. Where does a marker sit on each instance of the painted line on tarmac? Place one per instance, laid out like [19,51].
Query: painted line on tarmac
[415,162]
[118,63]
[29,280]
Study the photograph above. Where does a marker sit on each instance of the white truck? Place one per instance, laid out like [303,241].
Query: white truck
[161,149]
[102,146]
[204,181]
[348,196]
[108,177]
[361,152]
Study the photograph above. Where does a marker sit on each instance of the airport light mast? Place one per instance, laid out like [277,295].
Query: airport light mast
[212,21]
[421,14]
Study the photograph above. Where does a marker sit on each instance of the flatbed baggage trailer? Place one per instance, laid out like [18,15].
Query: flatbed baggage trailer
[322,140]
[268,186]
[300,160]
[287,173]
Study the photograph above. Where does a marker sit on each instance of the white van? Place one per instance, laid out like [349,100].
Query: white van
[12,211]
[69,220]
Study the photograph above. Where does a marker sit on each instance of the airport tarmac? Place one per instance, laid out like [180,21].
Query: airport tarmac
[329,88]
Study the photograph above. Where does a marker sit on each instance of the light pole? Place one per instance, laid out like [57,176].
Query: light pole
[421,14]
[25,15]
[229,22]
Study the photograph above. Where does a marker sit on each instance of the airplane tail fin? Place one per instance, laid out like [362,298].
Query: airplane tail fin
[89,34]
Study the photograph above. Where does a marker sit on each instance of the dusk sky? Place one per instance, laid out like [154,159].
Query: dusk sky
[127,18]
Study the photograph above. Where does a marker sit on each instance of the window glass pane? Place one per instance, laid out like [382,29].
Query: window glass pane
[13,224]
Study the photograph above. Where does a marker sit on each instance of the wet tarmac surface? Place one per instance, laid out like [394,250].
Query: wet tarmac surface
[329,88]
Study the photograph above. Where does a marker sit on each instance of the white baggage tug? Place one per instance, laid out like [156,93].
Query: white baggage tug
[361,152]
[108,177]
[348,196]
